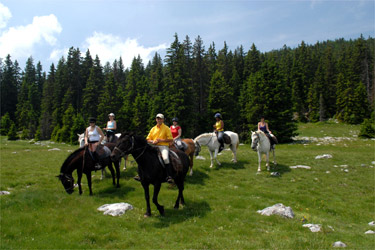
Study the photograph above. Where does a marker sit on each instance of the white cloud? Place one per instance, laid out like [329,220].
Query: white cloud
[109,47]
[5,15]
[19,41]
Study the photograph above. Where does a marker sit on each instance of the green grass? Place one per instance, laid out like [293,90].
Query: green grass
[221,202]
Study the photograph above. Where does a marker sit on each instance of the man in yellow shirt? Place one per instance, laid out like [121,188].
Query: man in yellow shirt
[160,135]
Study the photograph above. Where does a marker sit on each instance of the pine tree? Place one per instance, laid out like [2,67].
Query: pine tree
[46,119]
[5,124]
[8,88]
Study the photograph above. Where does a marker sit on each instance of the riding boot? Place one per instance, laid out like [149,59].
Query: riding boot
[221,147]
[168,168]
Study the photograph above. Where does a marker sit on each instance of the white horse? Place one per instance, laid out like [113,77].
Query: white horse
[261,144]
[210,140]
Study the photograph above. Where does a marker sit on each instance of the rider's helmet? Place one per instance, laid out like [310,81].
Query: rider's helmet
[174,119]
[218,115]
[92,119]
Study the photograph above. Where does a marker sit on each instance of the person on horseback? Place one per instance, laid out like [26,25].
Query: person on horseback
[176,133]
[263,126]
[160,135]
[93,138]
[219,130]
[111,127]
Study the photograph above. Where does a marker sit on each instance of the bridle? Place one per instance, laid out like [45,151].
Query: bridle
[69,178]
[257,141]
[122,153]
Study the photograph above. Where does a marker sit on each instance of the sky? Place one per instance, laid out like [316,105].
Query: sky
[46,29]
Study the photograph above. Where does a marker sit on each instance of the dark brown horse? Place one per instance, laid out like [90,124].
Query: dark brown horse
[189,150]
[150,168]
[81,161]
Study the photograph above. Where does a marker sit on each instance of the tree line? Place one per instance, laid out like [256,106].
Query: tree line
[309,83]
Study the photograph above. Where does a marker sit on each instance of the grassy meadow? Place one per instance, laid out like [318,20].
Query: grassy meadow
[221,202]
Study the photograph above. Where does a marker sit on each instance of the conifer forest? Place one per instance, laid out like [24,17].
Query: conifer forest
[308,83]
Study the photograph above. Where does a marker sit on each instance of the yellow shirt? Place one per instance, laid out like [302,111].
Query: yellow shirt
[160,133]
[218,126]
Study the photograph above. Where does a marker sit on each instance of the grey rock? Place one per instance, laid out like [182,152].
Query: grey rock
[313,227]
[115,209]
[323,156]
[4,193]
[339,244]
[278,209]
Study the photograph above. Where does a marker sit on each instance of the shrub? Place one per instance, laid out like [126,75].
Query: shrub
[12,134]
[367,129]
[5,124]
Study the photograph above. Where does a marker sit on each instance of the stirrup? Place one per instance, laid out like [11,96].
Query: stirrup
[98,166]
[137,178]
[170,180]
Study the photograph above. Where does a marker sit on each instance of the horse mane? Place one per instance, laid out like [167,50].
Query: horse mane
[203,135]
[70,158]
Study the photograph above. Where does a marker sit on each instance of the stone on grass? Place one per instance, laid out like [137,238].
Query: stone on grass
[339,244]
[54,149]
[301,166]
[373,162]
[278,209]
[115,209]
[200,158]
[275,174]
[372,223]
[313,227]
[370,232]
[323,156]
[4,193]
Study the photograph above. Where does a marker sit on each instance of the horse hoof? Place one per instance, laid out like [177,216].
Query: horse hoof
[161,211]
[146,215]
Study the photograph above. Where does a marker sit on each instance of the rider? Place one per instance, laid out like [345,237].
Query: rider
[176,133]
[93,138]
[160,135]
[111,127]
[219,130]
[263,126]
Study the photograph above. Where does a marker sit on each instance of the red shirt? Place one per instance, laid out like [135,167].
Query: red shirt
[174,131]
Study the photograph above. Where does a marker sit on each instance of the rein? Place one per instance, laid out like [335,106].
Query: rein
[122,153]
[212,136]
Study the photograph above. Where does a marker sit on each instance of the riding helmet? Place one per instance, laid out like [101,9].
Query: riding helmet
[174,119]
[218,115]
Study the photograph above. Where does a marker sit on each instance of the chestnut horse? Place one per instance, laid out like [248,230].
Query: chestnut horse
[190,151]
[81,161]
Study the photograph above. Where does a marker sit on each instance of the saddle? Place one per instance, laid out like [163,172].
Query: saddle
[99,152]
[227,139]
[174,160]
[181,145]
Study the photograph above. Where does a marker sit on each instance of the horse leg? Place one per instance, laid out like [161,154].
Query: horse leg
[112,172]
[147,197]
[125,160]
[268,160]
[215,155]
[274,158]
[88,176]
[155,199]
[117,168]
[79,181]
[180,196]
[234,151]
[103,174]
[259,160]
[191,156]
[212,160]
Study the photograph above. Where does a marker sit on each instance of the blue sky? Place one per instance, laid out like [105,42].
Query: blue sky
[46,29]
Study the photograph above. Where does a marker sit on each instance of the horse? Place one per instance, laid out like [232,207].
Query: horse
[210,140]
[190,151]
[151,168]
[261,144]
[81,161]
[81,142]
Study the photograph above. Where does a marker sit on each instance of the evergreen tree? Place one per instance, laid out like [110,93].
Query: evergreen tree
[5,124]
[46,118]
[12,134]
[252,61]
[8,88]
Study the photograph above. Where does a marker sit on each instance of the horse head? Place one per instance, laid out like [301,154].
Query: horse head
[197,148]
[81,139]
[124,146]
[254,140]
[67,181]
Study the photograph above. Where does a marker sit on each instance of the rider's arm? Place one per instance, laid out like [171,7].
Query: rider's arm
[86,137]
[268,129]
[101,135]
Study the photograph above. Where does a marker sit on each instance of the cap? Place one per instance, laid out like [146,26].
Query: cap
[112,114]
[160,116]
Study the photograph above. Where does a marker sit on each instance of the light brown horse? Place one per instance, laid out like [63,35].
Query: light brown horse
[190,150]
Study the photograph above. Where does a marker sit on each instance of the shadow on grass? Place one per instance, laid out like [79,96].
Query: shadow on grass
[240,164]
[175,216]
[198,177]
[282,169]
[112,191]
